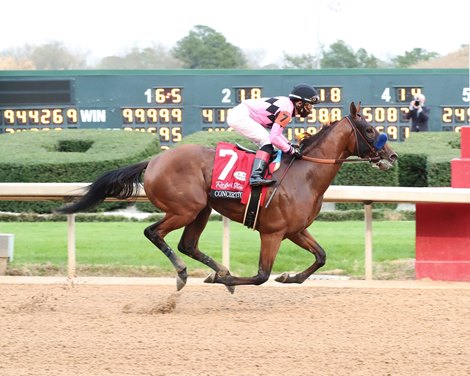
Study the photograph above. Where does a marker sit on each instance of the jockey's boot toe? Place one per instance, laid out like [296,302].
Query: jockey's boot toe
[258,181]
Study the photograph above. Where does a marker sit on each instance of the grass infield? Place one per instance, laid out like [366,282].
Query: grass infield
[121,249]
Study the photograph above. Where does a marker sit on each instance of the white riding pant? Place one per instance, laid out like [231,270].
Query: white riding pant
[239,119]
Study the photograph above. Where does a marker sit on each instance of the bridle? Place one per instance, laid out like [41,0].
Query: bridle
[376,158]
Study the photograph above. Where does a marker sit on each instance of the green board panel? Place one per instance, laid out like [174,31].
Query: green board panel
[176,103]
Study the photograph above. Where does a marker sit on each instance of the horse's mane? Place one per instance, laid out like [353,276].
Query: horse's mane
[309,139]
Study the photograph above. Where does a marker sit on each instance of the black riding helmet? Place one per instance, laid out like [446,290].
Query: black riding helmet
[305,93]
[308,95]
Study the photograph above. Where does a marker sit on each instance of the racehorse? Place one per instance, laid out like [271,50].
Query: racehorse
[178,182]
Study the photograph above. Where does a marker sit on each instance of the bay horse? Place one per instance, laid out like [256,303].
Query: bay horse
[178,182]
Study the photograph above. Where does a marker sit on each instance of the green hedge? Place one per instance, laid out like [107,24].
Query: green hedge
[51,156]
[413,170]
[81,155]
[365,174]
[68,156]
[212,138]
[424,158]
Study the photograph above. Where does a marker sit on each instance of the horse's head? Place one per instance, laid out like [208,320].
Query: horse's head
[369,143]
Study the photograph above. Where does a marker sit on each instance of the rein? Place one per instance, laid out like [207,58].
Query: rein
[280,181]
[343,160]
[339,161]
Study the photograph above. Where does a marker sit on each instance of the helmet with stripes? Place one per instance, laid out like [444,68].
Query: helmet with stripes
[305,93]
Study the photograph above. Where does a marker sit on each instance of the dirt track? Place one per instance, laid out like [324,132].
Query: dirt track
[320,329]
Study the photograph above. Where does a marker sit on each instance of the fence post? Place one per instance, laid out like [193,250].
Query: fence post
[6,251]
[226,242]
[368,241]
[71,270]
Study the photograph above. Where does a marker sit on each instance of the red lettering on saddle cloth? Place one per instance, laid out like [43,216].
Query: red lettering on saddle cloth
[232,168]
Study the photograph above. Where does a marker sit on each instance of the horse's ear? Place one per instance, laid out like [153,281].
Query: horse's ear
[353,109]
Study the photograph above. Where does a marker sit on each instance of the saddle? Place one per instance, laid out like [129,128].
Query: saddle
[241,147]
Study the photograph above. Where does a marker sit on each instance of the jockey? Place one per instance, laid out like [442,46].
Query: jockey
[263,121]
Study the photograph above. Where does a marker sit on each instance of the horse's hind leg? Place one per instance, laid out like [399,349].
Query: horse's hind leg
[306,241]
[156,233]
[189,244]
[269,247]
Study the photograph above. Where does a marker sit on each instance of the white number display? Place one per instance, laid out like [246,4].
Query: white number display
[231,162]
[386,95]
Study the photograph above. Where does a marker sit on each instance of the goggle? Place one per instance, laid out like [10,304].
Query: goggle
[313,100]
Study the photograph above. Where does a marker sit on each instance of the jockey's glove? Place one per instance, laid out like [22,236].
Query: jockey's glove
[295,151]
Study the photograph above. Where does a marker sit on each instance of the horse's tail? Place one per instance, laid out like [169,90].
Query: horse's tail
[121,183]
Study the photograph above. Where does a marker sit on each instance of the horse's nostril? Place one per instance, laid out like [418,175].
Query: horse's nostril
[393,157]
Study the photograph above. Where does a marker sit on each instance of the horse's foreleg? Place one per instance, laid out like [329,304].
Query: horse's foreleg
[269,247]
[189,244]
[155,233]
[306,241]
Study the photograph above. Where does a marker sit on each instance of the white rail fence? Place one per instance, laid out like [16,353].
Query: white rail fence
[358,194]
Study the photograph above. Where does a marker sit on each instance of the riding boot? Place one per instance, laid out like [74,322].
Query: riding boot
[259,168]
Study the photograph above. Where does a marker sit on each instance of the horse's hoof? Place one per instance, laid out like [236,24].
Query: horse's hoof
[231,289]
[181,279]
[210,278]
[282,278]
